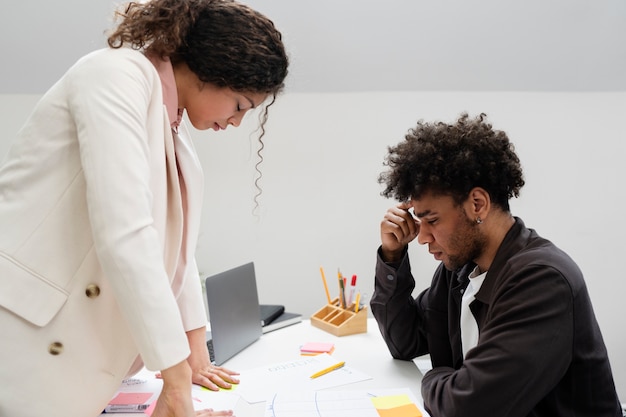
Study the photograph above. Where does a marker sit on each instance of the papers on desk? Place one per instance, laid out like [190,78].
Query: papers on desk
[144,388]
[375,403]
[135,395]
[260,383]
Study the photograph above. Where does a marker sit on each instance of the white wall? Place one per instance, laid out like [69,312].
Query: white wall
[321,204]
[367,45]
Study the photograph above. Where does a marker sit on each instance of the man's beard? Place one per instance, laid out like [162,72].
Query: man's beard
[468,244]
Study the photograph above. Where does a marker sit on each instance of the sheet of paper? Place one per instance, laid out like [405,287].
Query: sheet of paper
[350,403]
[259,383]
[217,400]
[423,364]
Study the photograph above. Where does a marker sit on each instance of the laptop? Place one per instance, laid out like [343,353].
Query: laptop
[234,312]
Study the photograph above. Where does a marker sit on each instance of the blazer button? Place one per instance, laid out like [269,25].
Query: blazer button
[92,291]
[55,348]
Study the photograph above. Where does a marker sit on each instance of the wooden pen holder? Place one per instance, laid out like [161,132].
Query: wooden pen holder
[340,321]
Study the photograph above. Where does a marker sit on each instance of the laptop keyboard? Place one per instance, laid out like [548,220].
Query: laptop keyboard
[209,344]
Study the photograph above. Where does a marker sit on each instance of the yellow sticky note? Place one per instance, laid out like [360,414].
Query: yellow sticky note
[391,401]
[396,406]
[232,387]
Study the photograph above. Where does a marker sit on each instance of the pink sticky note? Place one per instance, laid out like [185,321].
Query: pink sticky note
[317,347]
[126,398]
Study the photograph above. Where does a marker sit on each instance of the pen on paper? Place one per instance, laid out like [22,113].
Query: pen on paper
[329,369]
[325,284]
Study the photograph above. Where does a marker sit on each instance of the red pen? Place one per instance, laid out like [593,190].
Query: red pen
[352,290]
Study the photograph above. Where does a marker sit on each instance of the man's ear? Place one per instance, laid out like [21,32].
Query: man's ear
[479,203]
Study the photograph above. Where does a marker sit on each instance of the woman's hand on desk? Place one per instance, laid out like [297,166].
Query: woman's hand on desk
[175,397]
[203,372]
[214,377]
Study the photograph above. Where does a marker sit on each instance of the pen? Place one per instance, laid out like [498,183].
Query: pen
[342,296]
[329,369]
[356,303]
[325,284]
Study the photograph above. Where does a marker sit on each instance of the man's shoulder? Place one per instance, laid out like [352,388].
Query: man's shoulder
[526,247]
[542,258]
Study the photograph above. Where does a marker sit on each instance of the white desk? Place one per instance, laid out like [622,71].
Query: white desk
[365,352]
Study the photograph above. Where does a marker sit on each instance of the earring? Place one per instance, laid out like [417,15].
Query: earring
[479,220]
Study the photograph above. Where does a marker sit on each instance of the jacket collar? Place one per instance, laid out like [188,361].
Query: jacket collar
[168,85]
[513,241]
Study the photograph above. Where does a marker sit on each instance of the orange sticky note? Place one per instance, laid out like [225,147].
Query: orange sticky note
[396,406]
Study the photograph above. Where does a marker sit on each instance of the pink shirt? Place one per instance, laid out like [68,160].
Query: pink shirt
[168,83]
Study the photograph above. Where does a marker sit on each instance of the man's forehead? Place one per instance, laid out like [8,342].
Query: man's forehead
[431,203]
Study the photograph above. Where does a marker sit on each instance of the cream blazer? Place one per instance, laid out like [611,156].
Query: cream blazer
[96,243]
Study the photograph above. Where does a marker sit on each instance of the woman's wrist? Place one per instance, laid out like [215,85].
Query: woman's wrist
[178,375]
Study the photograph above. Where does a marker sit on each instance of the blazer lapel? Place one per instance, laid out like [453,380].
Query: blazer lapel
[173,233]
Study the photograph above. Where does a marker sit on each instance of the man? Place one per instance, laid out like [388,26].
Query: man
[507,320]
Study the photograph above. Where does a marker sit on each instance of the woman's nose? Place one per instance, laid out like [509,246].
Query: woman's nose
[236,119]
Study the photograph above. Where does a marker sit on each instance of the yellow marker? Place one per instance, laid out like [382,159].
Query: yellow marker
[325,284]
[329,369]
[356,303]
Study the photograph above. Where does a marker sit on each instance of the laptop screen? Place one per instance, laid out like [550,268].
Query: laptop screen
[234,311]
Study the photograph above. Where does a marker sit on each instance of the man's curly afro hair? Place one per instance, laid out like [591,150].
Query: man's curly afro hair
[451,159]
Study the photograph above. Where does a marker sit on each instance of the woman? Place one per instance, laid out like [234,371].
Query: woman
[100,208]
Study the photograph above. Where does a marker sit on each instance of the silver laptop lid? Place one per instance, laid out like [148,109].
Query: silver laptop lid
[234,311]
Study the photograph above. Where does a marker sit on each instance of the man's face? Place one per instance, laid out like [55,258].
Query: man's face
[452,237]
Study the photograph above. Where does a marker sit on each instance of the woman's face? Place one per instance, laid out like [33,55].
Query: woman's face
[211,107]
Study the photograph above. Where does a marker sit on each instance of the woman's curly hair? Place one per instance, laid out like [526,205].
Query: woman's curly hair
[451,159]
[225,43]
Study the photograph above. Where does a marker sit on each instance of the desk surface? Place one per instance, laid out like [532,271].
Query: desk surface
[365,352]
